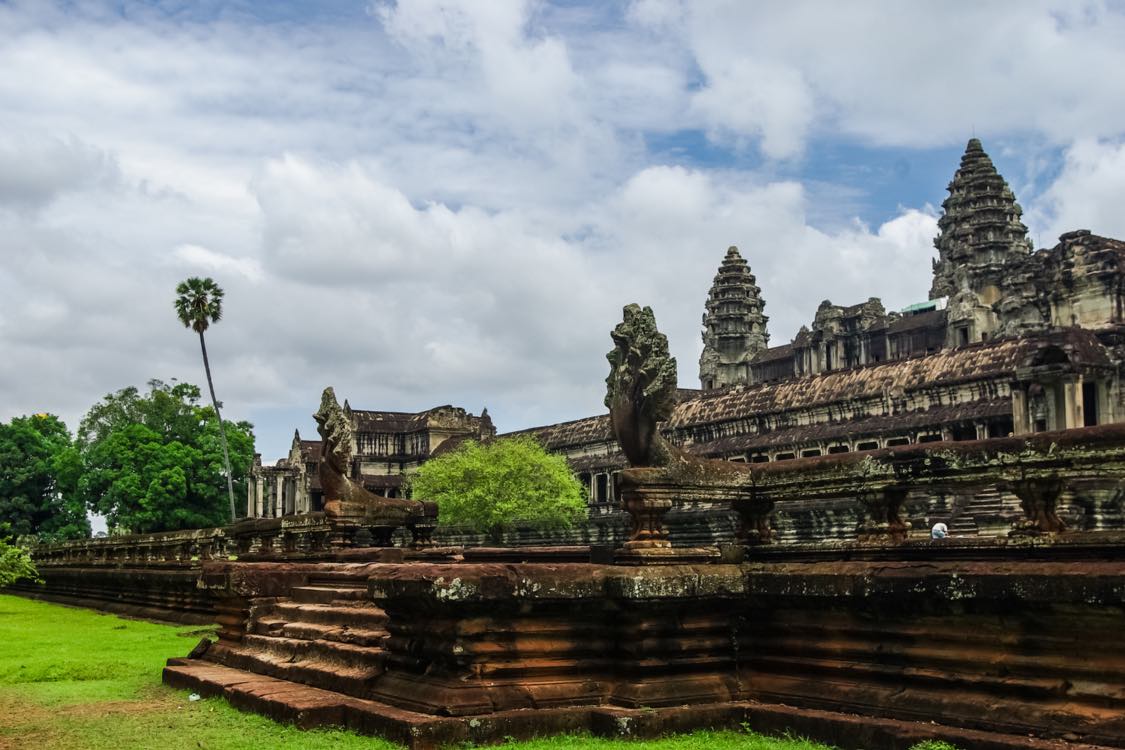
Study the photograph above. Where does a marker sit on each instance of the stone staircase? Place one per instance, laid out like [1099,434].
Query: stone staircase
[327,634]
[986,514]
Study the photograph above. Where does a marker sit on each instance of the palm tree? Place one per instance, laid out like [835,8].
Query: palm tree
[199,303]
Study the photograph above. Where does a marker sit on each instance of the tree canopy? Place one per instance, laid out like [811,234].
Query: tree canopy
[493,486]
[36,461]
[199,303]
[154,462]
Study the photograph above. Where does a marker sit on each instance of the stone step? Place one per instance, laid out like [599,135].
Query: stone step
[328,594]
[351,681]
[338,632]
[845,669]
[352,614]
[281,648]
[309,707]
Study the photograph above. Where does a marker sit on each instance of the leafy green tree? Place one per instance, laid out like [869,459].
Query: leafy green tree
[35,495]
[15,562]
[199,303]
[493,486]
[155,462]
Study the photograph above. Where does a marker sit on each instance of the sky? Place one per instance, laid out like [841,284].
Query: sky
[426,202]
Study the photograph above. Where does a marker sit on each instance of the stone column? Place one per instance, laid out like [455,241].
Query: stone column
[259,486]
[1067,406]
[754,509]
[1021,421]
[279,497]
[882,515]
[250,497]
[1039,498]
[1077,412]
[302,494]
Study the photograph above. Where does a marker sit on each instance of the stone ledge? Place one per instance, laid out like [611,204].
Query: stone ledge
[310,707]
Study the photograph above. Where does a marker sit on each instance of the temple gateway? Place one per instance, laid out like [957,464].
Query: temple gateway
[1012,341]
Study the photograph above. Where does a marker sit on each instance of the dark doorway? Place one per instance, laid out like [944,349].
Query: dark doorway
[1089,404]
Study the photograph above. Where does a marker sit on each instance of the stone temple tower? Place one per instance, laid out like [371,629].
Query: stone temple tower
[980,233]
[734,328]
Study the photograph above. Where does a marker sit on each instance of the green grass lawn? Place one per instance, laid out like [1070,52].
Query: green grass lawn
[74,678]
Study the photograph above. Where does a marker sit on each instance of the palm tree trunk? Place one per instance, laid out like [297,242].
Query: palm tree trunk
[222,430]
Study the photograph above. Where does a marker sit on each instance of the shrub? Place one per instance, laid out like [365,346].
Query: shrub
[492,486]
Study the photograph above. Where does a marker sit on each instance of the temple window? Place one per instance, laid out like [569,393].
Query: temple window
[601,488]
[1089,404]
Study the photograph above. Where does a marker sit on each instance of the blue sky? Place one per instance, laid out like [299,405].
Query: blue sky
[426,202]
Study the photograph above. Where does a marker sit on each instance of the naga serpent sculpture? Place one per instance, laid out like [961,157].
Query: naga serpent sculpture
[344,498]
[641,389]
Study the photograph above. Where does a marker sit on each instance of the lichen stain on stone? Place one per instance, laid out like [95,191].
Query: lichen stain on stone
[454,591]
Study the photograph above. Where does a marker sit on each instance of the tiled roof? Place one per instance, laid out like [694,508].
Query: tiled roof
[980,361]
[310,450]
[773,354]
[387,421]
[576,432]
[874,425]
[928,319]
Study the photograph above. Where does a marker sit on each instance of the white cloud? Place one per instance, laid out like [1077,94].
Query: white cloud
[197,257]
[451,202]
[751,97]
[1087,194]
[35,169]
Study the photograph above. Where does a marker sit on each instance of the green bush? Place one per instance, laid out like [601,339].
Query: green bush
[15,562]
[495,485]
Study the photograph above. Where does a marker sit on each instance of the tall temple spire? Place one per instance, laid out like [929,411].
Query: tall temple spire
[980,227]
[734,328]
[982,249]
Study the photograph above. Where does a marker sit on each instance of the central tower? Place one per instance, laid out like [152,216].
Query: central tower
[981,243]
[734,328]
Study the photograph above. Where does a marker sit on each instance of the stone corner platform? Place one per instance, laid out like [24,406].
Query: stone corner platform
[985,646]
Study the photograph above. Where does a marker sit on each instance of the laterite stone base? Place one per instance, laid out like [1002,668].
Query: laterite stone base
[312,707]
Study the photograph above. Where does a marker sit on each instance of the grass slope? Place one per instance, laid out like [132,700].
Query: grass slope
[77,679]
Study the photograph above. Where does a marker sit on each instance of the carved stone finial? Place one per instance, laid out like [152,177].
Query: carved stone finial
[641,388]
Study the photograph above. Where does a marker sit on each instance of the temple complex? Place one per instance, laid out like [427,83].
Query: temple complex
[385,447]
[1010,342]
[826,609]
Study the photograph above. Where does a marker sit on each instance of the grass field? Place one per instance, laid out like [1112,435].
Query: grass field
[77,679]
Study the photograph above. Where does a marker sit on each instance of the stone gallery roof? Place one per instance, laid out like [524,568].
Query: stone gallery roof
[310,450]
[928,319]
[773,354]
[858,428]
[982,361]
[388,421]
[439,417]
[576,432]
